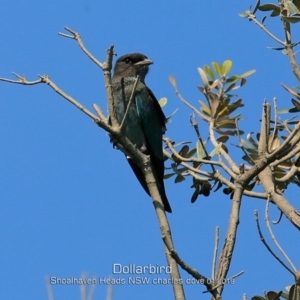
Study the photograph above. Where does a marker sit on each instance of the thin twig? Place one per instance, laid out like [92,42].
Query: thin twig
[46,79]
[193,272]
[22,80]
[263,27]
[217,175]
[275,124]
[76,36]
[217,237]
[196,127]
[274,238]
[227,280]
[266,244]
[49,288]
[110,289]
[233,223]
[83,287]
[295,151]
[129,102]
[194,109]
[91,293]
[100,113]
[108,86]
[289,45]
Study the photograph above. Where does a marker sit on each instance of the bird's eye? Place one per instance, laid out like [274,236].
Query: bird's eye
[127,60]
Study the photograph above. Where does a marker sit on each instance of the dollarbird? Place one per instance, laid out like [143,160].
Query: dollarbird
[145,123]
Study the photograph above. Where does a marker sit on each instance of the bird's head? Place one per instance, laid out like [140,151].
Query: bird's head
[132,65]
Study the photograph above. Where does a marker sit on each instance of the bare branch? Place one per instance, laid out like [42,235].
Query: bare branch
[228,280]
[287,145]
[263,27]
[286,157]
[265,130]
[217,237]
[108,86]
[274,238]
[228,248]
[196,127]
[266,178]
[193,272]
[76,36]
[217,175]
[92,292]
[100,113]
[46,79]
[195,110]
[129,102]
[22,80]
[110,289]
[289,175]
[266,244]
[49,288]
[289,47]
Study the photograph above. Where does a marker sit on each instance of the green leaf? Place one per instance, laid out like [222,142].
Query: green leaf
[162,101]
[205,108]
[243,82]
[275,13]
[256,6]
[297,95]
[232,79]
[232,86]
[292,7]
[218,68]
[205,189]
[208,71]
[296,104]
[216,150]
[167,176]
[203,77]
[248,73]
[292,292]
[228,132]
[226,124]
[292,20]
[227,64]
[200,149]
[274,295]
[191,153]
[276,48]
[179,178]
[267,7]
[195,194]
[223,139]
[184,151]
[283,111]
[247,145]
[243,15]
[297,3]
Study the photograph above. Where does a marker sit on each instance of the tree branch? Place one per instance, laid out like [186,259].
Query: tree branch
[266,244]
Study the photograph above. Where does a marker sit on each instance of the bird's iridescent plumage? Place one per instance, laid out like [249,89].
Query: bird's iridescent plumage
[145,123]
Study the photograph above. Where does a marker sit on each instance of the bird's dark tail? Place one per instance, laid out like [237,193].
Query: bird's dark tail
[161,188]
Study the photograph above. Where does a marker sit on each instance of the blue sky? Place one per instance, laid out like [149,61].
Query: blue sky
[69,201]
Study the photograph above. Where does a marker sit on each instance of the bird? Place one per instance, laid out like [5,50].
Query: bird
[145,122]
